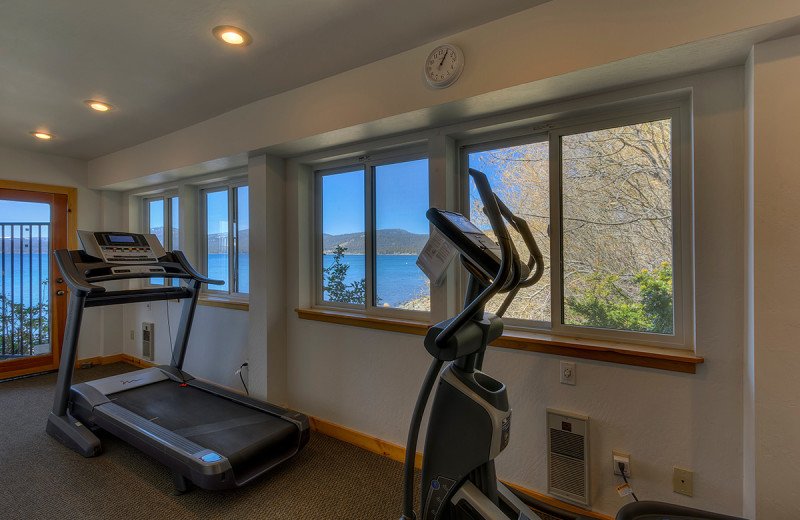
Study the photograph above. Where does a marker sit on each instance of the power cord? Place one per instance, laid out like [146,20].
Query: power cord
[621,466]
[239,371]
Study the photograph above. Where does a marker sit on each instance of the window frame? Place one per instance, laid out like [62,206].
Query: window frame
[682,216]
[366,164]
[166,197]
[230,187]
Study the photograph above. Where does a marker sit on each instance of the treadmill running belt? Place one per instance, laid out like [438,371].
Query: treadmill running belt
[246,436]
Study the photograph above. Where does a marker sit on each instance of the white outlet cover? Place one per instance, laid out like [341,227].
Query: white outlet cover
[567,373]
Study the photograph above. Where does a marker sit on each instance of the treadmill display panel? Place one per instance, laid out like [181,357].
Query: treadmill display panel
[119,247]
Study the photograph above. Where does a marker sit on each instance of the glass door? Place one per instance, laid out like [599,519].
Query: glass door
[33,301]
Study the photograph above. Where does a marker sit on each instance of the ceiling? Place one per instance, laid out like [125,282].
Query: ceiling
[158,64]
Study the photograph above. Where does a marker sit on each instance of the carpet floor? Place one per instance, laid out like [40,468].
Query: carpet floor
[41,479]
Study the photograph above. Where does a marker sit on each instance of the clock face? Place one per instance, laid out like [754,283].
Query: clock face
[444,65]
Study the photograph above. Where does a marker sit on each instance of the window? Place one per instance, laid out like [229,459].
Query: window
[603,201]
[226,245]
[161,218]
[371,227]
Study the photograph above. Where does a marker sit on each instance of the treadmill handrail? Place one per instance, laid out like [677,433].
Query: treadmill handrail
[181,258]
[78,280]
[75,280]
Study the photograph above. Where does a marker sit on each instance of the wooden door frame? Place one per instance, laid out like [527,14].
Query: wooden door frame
[58,306]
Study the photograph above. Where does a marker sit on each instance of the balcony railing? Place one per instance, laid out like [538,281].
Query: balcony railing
[24,303]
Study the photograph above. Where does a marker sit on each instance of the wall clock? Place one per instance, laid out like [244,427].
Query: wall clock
[443,65]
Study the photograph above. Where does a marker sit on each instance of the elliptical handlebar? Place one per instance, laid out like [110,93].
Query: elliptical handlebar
[491,206]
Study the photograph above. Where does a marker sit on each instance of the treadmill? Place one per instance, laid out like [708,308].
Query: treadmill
[208,436]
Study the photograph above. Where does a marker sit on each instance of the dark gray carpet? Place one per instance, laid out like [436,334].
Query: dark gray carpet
[41,479]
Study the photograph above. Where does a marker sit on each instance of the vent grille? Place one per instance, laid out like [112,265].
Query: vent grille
[567,474]
[567,457]
[567,444]
[147,341]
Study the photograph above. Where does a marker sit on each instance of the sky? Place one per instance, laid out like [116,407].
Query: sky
[217,209]
[401,199]
[13,211]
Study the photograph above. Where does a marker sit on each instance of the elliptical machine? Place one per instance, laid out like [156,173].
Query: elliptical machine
[470,420]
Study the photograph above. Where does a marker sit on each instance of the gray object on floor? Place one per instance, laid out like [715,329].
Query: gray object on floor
[207,435]
[42,480]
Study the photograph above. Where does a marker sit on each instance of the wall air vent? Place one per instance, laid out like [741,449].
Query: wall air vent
[148,341]
[568,456]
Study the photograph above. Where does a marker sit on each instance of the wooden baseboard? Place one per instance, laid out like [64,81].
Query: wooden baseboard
[141,363]
[116,358]
[366,442]
[398,453]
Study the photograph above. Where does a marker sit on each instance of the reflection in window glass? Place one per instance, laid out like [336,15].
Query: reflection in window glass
[617,228]
[174,222]
[156,227]
[520,177]
[242,240]
[157,219]
[343,264]
[401,231]
[216,204]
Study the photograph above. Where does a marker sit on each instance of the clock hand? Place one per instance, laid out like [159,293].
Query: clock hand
[443,57]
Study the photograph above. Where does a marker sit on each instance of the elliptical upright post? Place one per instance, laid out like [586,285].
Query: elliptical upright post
[470,420]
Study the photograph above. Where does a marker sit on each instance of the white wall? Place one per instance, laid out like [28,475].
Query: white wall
[217,341]
[558,49]
[368,380]
[773,353]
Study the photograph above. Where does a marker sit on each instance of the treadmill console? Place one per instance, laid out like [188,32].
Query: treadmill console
[133,250]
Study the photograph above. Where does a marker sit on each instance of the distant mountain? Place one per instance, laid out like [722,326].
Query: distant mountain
[218,242]
[388,242]
[34,246]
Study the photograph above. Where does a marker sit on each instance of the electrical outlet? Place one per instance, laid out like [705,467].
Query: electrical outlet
[131,335]
[682,481]
[567,373]
[625,458]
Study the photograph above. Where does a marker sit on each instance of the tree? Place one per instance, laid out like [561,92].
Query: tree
[616,218]
[656,290]
[603,303]
[23,327]
[334,281]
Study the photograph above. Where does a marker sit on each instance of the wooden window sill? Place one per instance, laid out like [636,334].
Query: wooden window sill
[223,302]
[611,352]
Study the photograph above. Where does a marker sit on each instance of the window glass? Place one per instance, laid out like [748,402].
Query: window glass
[174,222]
[617,225]
[401,231]
[216,203]
[242,240]
[343,244]
[155,215]
[519,175]
[156,219]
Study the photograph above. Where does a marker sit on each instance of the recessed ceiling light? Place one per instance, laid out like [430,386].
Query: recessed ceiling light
[232,35]
[98,105]
[42,135]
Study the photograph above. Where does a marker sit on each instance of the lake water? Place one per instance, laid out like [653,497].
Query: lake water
[218,270]
[398,277]
[21,275]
